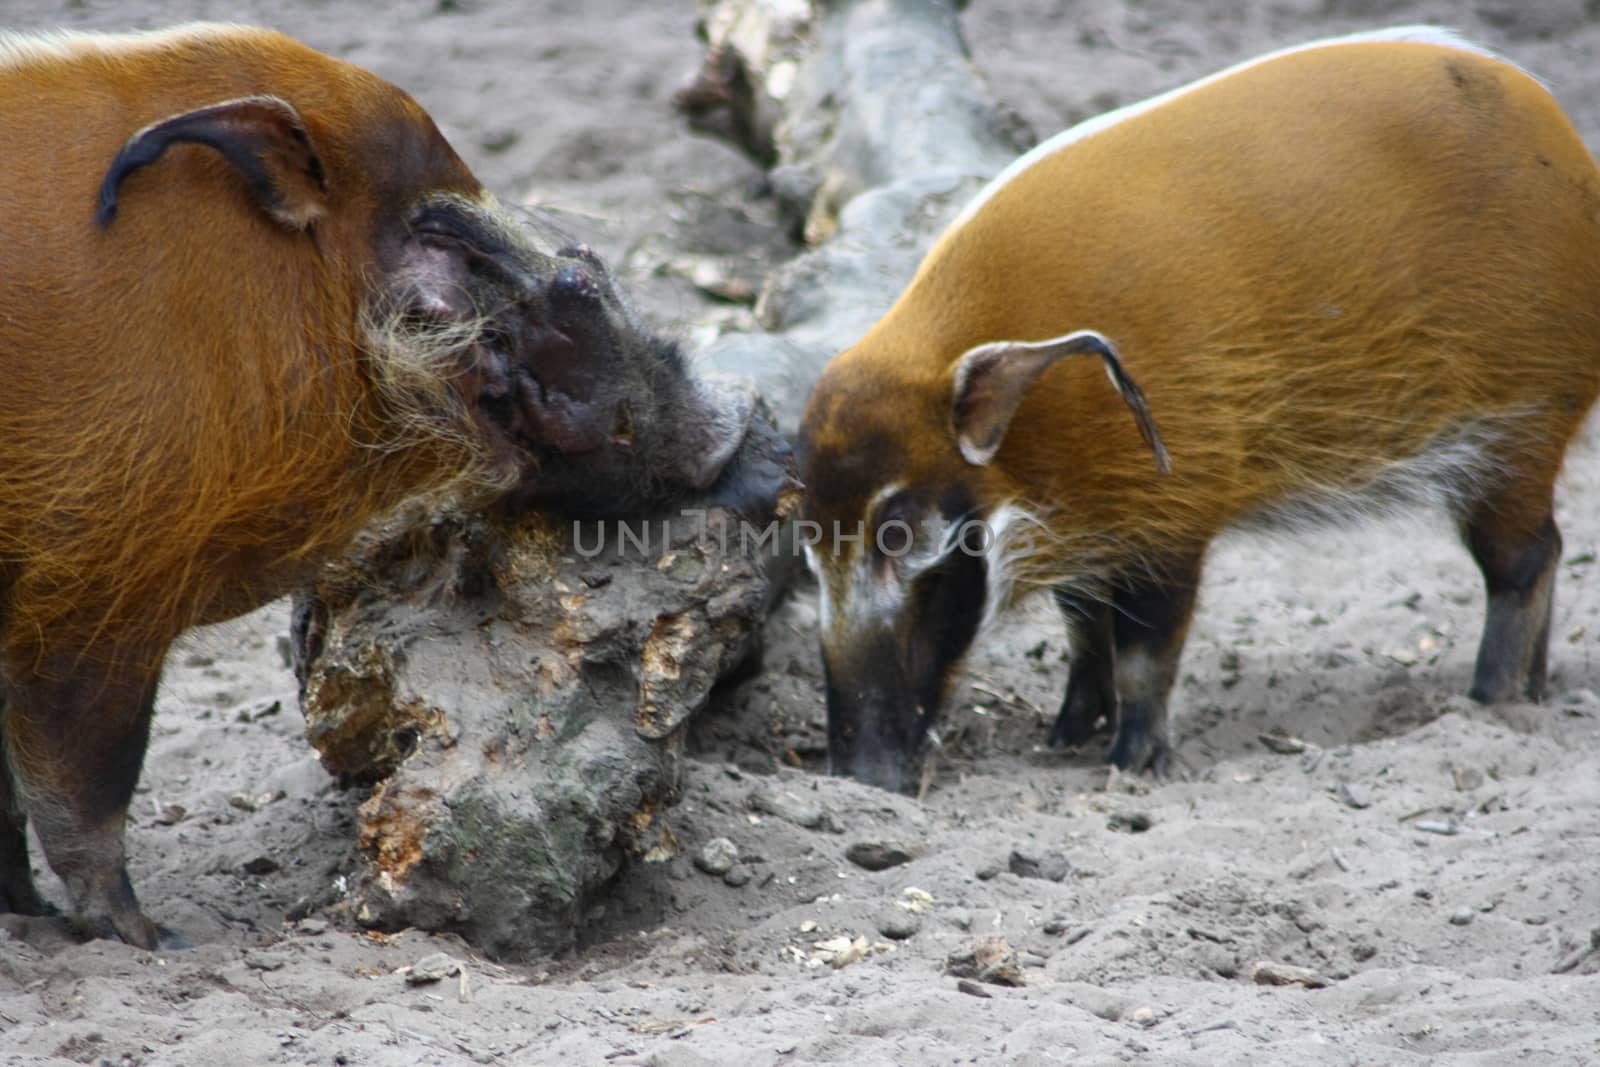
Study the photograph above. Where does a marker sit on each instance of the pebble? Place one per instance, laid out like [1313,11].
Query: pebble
[876,855]
[1265,972]
[260,865]
[434,967]
[1145,1017]
[1056,927]
[312,927]
[1461,917]
[990,960]
[960,918]
[1353,795]
[264,961]
[1051,866]
[788,807]
[717,856]
[898,924]
[1132,822]
[738,876]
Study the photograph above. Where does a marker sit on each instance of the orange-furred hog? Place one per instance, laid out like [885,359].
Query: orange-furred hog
[1324,284]
[249,300]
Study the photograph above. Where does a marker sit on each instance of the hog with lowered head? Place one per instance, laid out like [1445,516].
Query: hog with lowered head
[252,300]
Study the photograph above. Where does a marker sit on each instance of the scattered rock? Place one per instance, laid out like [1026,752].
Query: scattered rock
[990,960]
[312,927]
[1461,917]
[1353,795]
[171,815]
[1362,952]
[264,961]
[1132,822]
[260,865]
[973,989]
[960,918]
[1056,927]
[717,856]
[1145,1017]
[898,923]
[987,872]
[1283,744]
[1051,866]
[434,967]
[1466,778]
[738,876]
[788,807]
[876,855]
[1264,972]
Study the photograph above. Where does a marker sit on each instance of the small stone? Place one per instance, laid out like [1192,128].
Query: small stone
[990,960]
[171,815]
[1461,917]
[1363,952]
[1051,866]
[717,856]
[312,927]
[876,855]
[433,967]
[960,918]
[243,802]
[1353,795]
[988,872]
[1466,778]
[738,876]
[788,807]
[1056,927]
[898,924]
[1265,972]
[973,989]
[1422,894]
[1132,822]
[1145,1017]
[264,961]
[260,865]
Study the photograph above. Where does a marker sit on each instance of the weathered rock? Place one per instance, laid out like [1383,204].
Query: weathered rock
[876,855]
[898,923]
[990,960]
[518,688]
[717,856]
[1051,866]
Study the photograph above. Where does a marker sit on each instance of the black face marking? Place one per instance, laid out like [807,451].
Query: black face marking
[885,691]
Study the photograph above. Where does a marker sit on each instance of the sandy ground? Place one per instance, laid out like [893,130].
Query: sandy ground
[1138,911]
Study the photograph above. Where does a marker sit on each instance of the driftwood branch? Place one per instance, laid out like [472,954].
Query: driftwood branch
[876,128]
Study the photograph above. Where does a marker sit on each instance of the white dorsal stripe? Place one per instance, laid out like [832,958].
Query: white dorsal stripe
[1436,35]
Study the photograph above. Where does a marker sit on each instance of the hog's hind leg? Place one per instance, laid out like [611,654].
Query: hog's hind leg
[1514,539]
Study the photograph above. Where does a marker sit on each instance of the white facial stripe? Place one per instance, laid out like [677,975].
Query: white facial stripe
[1422,34]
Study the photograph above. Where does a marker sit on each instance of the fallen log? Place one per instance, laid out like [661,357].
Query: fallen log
[876,129]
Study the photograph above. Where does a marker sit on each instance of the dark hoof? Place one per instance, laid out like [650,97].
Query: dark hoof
[23,899]
[169,940]
[1136,753]
[1072,731]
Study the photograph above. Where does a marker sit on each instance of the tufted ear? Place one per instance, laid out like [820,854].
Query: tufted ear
[991,380]
[262,136]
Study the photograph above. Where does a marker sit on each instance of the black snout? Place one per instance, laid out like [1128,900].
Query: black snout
[886,684]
